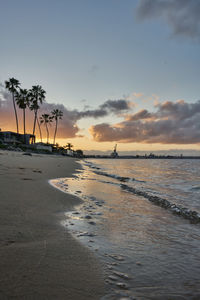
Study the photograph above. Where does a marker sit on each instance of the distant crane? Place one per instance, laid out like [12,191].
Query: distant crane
[114,154]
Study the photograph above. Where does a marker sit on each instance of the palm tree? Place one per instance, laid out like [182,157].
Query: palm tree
[12,84]
[22,100]
[46,119]
[57,115]
[37,96]
[69,146]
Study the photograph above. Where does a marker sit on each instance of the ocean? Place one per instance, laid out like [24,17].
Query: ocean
[141,218]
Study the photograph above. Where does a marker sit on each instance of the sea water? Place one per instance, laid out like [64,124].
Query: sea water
[148,251]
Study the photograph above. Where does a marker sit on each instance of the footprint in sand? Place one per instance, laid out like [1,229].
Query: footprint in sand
[37,171]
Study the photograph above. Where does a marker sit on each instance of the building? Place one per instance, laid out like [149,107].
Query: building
[69,152]
[9,137]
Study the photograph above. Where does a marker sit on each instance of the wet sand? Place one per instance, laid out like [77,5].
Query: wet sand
[39,258]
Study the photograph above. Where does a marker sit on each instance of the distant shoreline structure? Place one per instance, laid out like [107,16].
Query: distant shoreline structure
[115,155]
[141,157]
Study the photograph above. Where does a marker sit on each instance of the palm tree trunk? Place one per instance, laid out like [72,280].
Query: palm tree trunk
[15,112]
[55,132]
[24,117]
[35,117]
[47,133]
[39,129]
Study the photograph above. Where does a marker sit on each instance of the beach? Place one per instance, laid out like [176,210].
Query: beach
[87,230]
[39,258]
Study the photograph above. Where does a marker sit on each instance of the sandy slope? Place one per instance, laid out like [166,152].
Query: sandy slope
[39,259]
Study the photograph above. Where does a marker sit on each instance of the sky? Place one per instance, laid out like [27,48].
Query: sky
[124,72]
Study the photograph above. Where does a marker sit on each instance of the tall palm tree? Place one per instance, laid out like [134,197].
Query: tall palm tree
[39,129]
[22,100]
[37,96]
[46,119]
[57,115]
[12,85]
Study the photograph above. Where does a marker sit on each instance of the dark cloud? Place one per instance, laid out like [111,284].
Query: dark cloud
[116,106]
[172,123]
[91,113]
[178,110]
[181,15]
[142,114]
[110,106]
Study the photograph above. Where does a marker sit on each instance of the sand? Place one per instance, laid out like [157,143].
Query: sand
[39,259]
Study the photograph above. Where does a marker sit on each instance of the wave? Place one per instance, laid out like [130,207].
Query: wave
[186,213]
[91,165]
[120,178]
[195,188]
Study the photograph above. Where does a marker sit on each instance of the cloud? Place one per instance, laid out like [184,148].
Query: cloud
[142,114]
[179,110]
[116,106]
[6,109]
[91,113]
[134,96]
[138,95]
[181,15]
[171,123]
[108,107]
[68,127]
[142,98]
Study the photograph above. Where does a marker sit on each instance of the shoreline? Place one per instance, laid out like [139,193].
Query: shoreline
[122,227]
[39,258]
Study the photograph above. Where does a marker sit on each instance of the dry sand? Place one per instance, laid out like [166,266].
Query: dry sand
[39,259]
